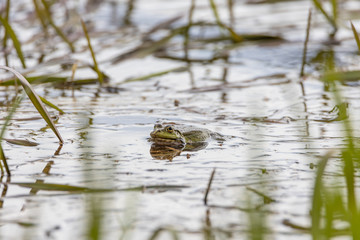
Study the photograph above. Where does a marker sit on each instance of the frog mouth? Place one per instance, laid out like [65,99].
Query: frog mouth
[168,141]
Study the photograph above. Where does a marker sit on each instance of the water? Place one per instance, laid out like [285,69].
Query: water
[271,113]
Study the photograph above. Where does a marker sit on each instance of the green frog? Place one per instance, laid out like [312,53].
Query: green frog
[183,134]
[169,140]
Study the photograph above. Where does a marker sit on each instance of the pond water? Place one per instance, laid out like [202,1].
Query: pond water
[279,125]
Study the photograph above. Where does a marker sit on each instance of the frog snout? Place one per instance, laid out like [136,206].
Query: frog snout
[153,133]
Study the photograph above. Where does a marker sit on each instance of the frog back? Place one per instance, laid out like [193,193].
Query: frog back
[196,135]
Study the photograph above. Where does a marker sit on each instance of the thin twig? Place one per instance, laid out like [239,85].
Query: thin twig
[267,199]
[305,44]
[209,186]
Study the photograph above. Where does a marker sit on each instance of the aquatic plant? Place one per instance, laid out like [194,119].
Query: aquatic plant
[10,32]
[2,133]
[36,100]
[337,205]
[331,18]
[44,15]
[96,67]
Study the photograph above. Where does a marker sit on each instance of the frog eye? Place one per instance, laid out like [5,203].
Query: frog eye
[170,129]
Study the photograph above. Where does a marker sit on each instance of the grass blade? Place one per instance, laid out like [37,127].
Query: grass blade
[40,15]
[56,80]
[356,35]
[57,29]
[334,10]
[215,12]
[7,10]
[50,104]
[157,74]
[52,187]
[317,202]
[326,15]
[187,30]
[305,44]
[159,230]
[36,101]
[14,39]
[148,47]
[233,34]
[2,133]
[65,187]
[349,171]
[21,142]
[100,75]
[209,186]
[3,159]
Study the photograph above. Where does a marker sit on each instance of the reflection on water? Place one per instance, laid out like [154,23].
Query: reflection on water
[169,151]
[281,124]
[163,152]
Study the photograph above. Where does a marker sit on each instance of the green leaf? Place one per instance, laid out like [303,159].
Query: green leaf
[346,76]
[50,104]
[3,159]
[356,35]
[56,28]
[51,187]
[36,101]
[326,15]
[2,133]
[51,79]
[72,188]
[157,74]
[21,142]
[100,75]
[235,37]
[317,202]
[15,40]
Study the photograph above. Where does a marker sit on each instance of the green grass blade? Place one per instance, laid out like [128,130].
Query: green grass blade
[334,9]
[349,171]
[233,34]
[7,10]
[40,15]
[21,142]
[147,48]
[157,74]
[36,101]
[187,30]
[65,187]
[50,104]
[100,75]
[356,35]
[59,81]
[158,231]
[56,28]
[2,133]
[346,76]
[14,39]
[305,44]
[349,176]
[51,187]
[3,159]
[215,12]
[317,202]
[326,15]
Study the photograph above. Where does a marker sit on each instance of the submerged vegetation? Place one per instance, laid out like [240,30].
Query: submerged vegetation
[334,210]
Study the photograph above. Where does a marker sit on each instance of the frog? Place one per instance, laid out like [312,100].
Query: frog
[181,134]
[170,139]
